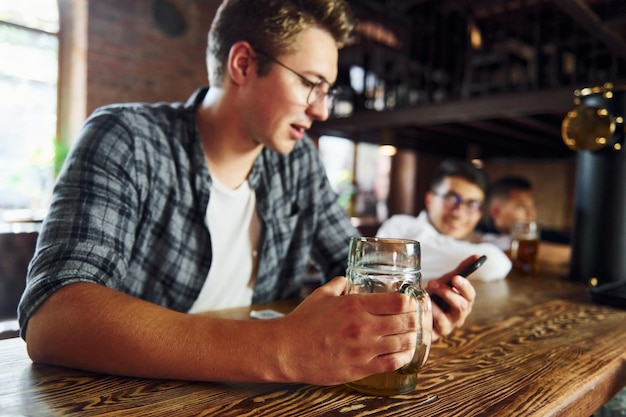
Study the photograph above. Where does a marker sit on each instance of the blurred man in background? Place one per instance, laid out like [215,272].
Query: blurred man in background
[453,209]
[511,200]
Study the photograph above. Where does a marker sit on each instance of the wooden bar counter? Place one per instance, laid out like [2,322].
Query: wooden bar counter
[533,346]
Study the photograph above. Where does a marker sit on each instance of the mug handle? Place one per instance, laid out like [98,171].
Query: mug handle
[424,337]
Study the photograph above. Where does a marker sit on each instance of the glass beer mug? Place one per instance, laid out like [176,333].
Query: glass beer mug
[391,265]
[525,247]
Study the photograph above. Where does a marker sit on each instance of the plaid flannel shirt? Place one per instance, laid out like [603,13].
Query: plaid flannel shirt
[128,212]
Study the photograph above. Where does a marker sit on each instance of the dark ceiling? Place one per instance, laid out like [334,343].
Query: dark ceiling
[429,89]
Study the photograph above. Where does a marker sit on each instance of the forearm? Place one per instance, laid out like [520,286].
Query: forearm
[91,327]
[329,339]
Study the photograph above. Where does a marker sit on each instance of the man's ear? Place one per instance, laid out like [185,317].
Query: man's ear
[428,198]
[494,211]
[241,60]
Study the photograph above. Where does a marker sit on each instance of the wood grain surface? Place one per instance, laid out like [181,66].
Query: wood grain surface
[533,346]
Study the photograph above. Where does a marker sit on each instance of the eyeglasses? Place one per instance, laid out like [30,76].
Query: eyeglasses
[453,200]
[319,90]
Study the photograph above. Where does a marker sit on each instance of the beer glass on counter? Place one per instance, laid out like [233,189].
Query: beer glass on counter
[391,265]
[525,247]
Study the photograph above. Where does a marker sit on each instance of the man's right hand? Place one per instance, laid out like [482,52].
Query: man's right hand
[331,338]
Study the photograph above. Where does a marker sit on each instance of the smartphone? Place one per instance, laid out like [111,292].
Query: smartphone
[471,267]
[465,272]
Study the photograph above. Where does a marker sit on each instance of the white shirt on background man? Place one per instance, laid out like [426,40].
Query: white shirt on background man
[441,253]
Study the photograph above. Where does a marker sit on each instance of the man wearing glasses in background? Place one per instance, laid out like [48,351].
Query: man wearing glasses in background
[168,209]
[453,209]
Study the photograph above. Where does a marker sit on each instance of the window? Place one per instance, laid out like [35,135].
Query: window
[28,85]
[359,174]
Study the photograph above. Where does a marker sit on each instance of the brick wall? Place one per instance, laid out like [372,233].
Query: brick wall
[130,59]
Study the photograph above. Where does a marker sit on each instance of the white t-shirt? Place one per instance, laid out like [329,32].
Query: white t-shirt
[235,229]
[441,253]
